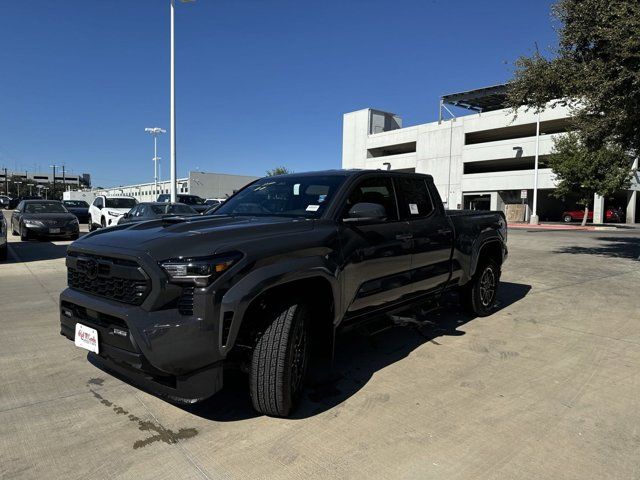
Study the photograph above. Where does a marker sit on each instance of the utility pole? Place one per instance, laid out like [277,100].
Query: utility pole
[173,106]
[64,180]
[6,181]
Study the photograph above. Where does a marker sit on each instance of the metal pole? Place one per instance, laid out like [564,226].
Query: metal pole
[54,177]
[64,180]
[173,111]
[155,166]
[534,217]
[6,181]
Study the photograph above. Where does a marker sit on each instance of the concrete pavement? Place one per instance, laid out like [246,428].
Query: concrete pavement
[547,387]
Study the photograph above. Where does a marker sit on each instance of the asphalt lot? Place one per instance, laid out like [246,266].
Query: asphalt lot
[547,387]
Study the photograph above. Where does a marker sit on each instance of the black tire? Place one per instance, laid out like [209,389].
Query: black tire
[279,361]
[90,226]
[74,237]
[24,234]
[103,223]
[567,219]
[480,294]
[3,252]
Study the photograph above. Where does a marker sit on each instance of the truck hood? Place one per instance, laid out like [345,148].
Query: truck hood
[194,236]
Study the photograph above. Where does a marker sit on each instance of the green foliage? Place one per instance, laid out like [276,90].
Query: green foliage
[595,70]
[584,172]
[278,171]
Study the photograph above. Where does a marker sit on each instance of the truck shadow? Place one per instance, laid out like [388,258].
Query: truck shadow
[358,356]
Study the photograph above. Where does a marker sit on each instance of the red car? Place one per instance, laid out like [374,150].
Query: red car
[611,215]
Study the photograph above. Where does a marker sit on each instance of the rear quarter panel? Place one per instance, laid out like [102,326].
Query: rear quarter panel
[473,231]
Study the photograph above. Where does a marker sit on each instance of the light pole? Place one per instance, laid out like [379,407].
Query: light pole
[54,176]
[173,105]
[534,217]
[155,131]
[45,192]
[18,187]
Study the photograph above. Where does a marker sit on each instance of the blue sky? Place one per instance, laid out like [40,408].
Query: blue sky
[259,83]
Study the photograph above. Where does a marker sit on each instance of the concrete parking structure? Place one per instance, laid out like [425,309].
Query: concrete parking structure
[546,387]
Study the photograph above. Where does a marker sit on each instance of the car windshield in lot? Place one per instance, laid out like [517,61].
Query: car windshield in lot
[121,203]
[76,204]
[287,196]
[172,210]
[44,207]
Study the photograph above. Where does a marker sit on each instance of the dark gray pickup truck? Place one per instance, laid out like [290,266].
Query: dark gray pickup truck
[287,261]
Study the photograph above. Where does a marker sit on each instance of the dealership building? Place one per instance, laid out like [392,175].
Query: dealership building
[203,184]
[484,159]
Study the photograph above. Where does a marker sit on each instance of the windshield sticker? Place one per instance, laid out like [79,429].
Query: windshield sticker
[296,189]
[322,198]
[313,208]
[414,209]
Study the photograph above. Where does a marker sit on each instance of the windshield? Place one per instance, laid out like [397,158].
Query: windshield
[288,196]
[120,202]
[45,207]
[191,199]
[173,210]
[76,204]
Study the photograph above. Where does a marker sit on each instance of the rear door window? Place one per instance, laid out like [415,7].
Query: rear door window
[415,201]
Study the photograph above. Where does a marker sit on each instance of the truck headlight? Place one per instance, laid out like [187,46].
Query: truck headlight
[200,271]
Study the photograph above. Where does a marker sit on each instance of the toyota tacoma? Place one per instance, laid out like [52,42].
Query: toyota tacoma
[287,261]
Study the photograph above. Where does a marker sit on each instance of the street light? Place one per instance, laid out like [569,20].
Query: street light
[54,175]
[173,105]
[534,220]
[155,131]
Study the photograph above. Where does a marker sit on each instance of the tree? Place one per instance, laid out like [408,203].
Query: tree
[595,70]
[585,172]
[278,171]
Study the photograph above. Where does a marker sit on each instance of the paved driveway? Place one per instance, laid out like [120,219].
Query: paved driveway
[548,387]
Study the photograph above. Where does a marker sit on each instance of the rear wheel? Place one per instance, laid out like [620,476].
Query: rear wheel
[279,361]
[480,294]
[567,218]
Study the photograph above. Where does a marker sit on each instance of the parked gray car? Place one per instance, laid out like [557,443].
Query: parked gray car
[3,238]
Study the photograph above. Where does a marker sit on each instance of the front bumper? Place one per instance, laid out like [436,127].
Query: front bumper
[65,231]
[162,351]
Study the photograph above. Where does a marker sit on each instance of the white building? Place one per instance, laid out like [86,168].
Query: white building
[203,184]
[482,160]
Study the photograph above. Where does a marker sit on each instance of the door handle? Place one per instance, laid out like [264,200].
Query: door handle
[442,231]
[404,236]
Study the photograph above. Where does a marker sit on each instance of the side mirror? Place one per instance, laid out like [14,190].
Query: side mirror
[366,212]
[126,215]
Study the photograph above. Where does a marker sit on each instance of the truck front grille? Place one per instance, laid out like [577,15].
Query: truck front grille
[112,278]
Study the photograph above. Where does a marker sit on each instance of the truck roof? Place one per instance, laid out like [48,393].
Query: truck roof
[350,173]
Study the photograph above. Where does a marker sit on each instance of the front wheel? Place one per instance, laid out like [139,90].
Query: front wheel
[279,361]
[24,234]
[479,296]
[568,219]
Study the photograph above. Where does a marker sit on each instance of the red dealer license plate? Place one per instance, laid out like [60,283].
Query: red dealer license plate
[86,337]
